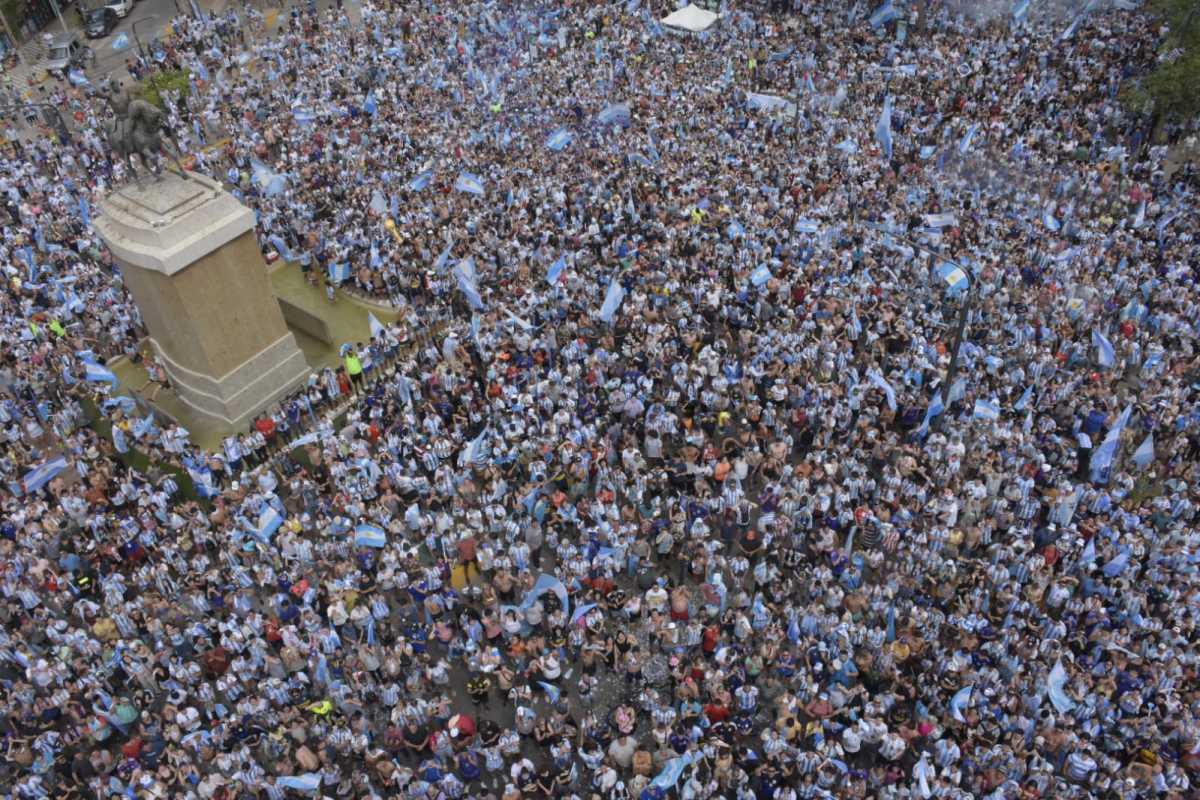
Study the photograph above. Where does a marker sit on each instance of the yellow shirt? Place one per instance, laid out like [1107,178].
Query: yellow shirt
[353,365]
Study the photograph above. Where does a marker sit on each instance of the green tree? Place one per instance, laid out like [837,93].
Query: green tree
[1172,89]
[14,12]
[151,88]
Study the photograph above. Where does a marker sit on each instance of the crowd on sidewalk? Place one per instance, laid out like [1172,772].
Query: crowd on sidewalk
[668,481]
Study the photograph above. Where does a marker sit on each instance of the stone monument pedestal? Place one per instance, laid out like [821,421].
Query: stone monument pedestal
[189,257]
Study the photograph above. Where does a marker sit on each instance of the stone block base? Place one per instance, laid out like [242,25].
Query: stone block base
[233,400]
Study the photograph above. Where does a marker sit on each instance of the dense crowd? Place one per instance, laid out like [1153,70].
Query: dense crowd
[668,481]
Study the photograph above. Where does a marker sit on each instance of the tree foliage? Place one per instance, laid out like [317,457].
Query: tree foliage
[152,88]
[1172,89]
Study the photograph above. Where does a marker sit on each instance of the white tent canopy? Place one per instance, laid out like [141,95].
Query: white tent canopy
[691,18]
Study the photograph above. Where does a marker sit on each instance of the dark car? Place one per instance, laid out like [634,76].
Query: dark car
[99,22]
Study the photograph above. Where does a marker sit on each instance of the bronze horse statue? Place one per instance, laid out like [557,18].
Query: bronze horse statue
[137,129]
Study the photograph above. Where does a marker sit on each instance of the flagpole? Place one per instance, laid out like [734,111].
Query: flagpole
[963,313]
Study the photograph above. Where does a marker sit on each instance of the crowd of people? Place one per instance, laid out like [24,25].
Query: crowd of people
[804,408]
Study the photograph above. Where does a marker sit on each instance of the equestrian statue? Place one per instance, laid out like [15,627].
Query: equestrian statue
[138,128]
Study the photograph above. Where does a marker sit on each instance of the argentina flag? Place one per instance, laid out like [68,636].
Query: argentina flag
[268,522]
[559,140]
[1105,355]
[890,393]
[760,276]
[883,128]
[467,286]
[615,114]
[276,241]
[1102,456]
[339,273]
[444,258]
[965,144]
[370,536]
[960,701]
[421,180]
[988,410]
[883,15]
[468,183]
[97,373]
[612,300]
[42,474]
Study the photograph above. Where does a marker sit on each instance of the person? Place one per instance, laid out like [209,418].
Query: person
[354,369]
[705,315]
[156,375]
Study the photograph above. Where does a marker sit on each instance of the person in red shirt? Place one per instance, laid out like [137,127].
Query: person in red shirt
[712,635]
[266,426]
[716,713]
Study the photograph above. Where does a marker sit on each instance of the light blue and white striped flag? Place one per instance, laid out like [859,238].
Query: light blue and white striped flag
[1055,688]
[556,270]
[1105,355]
[1139,218]
[378,203]
[883,15]
[43,473]
[370,536]
[97,373]
[1145,452]
[1103,455]
[612,300]
[760,276]
[469,183]
[1049,220]
[988,410]
[936,406]
[874,377]
[1117,564]
[479,452]
[420,180]
[960,701]
[466,284]
[443,258]
[1026,396]
[269,521]
[559,140]
[883,128]
[339,273]
[615,114]
[965,144]
[309,782]
[377,327]
[276,241]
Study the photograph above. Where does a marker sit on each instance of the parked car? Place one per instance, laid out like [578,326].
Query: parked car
[99,22]
[120,7]
[64,49]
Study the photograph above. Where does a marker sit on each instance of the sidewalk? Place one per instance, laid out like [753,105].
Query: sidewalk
[33,57]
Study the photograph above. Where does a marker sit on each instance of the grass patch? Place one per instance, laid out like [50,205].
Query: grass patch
[153,87]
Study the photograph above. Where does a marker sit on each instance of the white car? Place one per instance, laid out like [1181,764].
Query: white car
[121,7]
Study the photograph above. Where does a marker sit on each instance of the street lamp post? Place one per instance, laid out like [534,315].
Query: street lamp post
[963,314]
[16,44]
[133,28]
